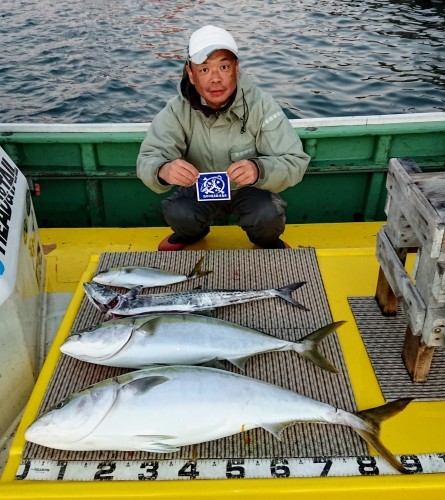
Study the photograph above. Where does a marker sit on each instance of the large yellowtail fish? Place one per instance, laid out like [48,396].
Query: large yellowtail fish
[162,408]
[183,339]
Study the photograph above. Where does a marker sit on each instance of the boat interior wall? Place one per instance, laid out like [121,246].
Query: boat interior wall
[82,176]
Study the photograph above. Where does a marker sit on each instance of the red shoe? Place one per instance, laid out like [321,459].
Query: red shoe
[175,243]
[276,245]
[279,244]
[170,246]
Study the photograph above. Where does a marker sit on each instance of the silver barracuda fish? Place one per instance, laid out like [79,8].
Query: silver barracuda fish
[131,276]
[162,408]
[183,339]
[132,304]
[101,296]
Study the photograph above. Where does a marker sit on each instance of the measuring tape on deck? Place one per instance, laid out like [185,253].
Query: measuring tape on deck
[164,470]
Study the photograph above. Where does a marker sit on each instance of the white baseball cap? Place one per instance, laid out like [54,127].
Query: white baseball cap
[208,39]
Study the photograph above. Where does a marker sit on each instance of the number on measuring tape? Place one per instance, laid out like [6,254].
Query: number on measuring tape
[279,467]
[150,471]
[189,470]
[231,468]
[235,469]
[63,464]
[104,471]
[327,465]
[367,466]
[411,463]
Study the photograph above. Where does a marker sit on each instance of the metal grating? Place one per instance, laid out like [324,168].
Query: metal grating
[383,337]
[237,269]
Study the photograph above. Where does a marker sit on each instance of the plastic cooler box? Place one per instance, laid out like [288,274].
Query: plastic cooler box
[22,277]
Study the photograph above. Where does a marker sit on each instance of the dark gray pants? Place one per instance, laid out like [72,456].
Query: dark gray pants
[260,213]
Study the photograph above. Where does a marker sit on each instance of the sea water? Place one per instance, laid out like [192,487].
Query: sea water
[121,60]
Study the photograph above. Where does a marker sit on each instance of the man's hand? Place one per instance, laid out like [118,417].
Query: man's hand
[243,172]
[178,173]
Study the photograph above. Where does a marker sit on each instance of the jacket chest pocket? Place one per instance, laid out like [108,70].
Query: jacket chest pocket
[243,152]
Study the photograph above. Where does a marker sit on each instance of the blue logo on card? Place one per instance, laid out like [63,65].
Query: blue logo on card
[2,268]
[213,186]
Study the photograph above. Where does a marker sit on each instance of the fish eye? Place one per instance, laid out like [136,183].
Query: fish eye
[93,327]
[61,404]
[75,336]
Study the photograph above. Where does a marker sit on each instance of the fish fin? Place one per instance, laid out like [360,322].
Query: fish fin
[276,429]
[144,384]
[310,345]
[372,418]
[153,443]
[131,294]
[206,312]
[139,322]
[285,294]
[197,272]
[214,363]
[239,362]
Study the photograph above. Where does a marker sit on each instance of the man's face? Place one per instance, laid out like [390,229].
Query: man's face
[215,79]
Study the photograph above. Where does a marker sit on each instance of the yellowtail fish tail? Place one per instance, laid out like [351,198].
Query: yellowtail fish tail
[370,431]
[285,293]
[310,346]
[197,272]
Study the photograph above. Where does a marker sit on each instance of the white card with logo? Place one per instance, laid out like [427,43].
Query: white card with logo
[213,186]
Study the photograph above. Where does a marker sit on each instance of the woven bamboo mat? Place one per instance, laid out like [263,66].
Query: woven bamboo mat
[383,337]
[237,269]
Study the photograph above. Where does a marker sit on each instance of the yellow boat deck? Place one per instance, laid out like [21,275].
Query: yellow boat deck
[346,257]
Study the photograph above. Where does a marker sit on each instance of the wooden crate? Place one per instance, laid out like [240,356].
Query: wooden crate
[416,221]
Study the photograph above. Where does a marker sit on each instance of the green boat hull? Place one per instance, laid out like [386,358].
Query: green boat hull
[85,175]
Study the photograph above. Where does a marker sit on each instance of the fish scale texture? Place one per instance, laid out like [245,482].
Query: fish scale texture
[236,269]
[383,337]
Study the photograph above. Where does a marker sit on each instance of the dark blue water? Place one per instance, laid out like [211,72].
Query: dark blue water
[120,61]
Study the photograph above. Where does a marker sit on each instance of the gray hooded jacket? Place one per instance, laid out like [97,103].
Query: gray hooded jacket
[212,143]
